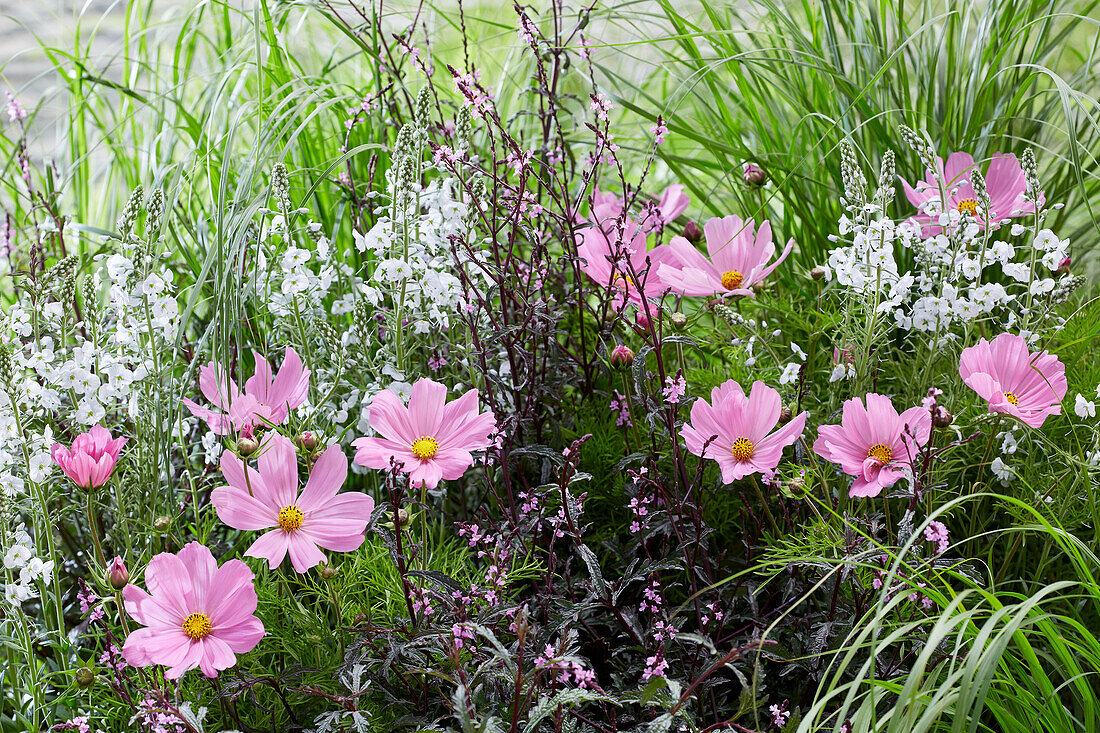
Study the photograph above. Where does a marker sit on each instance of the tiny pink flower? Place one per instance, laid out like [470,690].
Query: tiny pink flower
[266,398]
[1013,380]
[299,524]
[197,614]
[739,258]
[92,458]
[745,443]
[1005,184]
[431,438]
[874,443]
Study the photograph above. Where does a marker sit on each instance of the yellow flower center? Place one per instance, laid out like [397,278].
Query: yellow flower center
[425,447]
[290,517]
[622,282]
[197,625]
[967,206]
[880,453]
[732,280]
[743,449]
[1013,399]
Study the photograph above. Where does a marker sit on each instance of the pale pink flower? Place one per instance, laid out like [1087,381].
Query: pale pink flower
[739,258]
[1005,184]
[618,262]
[92,458]
[431,438]
[266,398]
[196,615]
[745,443]
[607,208]
[299,524]
[874,443]
[1013,380]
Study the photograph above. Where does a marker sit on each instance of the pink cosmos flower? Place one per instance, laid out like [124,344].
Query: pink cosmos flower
[745,443]
[614,262]
[1013,380]
[266,398]
[607,207]
[197,614]
[739,258]
[300,524]
[91,460]
[1005,184]
[874,443]
[431,437]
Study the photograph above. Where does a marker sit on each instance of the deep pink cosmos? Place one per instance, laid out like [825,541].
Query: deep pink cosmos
[266,398]
[196,613]
[92,458]
[299,524]
[739,258]
[1013,380]
[431,437]
[873,442]
[1005,184]
[745,443]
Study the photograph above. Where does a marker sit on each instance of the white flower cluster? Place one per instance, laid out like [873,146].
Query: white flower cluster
[25,568]
[956,265]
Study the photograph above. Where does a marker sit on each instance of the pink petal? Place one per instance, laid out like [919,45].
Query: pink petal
[377,452]
[390,418]
[271,546]
[233,595]
[303,552]
[241,511]
[242,476]
[426,407]
[279,467]
[243,636]
[325,479]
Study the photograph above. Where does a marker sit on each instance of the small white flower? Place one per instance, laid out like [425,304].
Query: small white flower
[17,556]
[1084,408]
[790,373]
[1003,473]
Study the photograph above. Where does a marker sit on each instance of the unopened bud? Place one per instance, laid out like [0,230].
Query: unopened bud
[622,356]
[785,415]
[85,677]
[942,417]
[247,446]
[758,286]
[162,523]
[754,175]
[679,320]
[692,232]
[1063,266]
[818,273]
[402,517]
[308,441]
[328,572]
[117,574]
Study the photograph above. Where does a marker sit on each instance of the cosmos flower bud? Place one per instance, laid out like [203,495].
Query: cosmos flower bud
[117,574]
[758,286]
[818,273]
[162,523]
[693,232]
[247,446]
[85,677]
[785,415]
[941,417]
[622,356]
[679,320]
[754,175]
[328,572]
[307,441]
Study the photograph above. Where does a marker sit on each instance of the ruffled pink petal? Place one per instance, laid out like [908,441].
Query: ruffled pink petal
[216,386]
[291,385]
[190,660]
[426,473]
[144,647]
[453,462]
[147,610]
[217,421]
[762,411]
[200,565]
[167,579]
[349,505]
